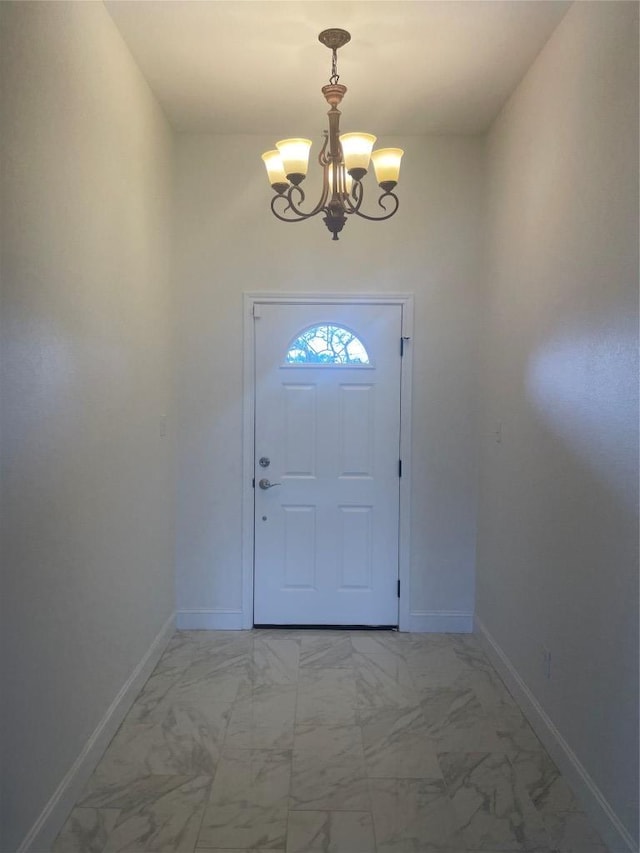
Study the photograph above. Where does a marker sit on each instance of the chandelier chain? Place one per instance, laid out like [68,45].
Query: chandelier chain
[334,68]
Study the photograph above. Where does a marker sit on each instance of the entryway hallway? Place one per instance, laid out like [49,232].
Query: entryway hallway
[295,741]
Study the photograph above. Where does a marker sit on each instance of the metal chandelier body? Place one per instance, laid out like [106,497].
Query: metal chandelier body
[344,159]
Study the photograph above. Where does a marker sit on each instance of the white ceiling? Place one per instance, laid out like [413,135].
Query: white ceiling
[412,66]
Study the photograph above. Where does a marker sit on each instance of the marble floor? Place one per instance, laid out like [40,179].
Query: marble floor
[345,742]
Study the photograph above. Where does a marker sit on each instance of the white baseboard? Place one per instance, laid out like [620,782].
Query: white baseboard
[438,622]
[605,820]
[52,818]
[210,620]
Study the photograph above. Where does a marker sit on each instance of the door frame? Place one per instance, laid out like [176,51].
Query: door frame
[250,302]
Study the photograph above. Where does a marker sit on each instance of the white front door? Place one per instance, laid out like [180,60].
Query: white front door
[327,437]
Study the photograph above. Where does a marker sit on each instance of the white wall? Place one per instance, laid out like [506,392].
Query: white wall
[229,242]
[87,553]
[558,520]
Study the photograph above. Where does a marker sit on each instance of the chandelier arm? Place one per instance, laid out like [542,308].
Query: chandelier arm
[319,206]
[388,214]
[341,184]
[281,216]
[349,206]
[323,160]
[298,215]
[357,192]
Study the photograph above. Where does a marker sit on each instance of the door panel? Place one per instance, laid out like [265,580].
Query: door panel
[326,532]
[300,417]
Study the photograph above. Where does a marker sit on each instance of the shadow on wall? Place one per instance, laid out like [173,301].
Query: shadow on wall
[582,395]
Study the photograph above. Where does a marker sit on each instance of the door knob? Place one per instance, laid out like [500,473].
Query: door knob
[265,484]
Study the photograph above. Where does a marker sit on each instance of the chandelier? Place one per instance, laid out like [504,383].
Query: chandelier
[344,159]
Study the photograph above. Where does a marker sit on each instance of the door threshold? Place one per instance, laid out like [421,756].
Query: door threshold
[328,627]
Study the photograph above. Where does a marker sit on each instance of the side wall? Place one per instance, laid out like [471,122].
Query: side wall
[87,581]
[558,521]
[228,242]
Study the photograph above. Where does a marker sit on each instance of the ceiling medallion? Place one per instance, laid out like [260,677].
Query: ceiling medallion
[344,159]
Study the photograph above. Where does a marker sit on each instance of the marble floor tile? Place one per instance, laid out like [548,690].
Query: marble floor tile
[516,736]
[183,744]
[377,643]
[469,652]
[509,722]
[512,849]
[182,650]
[328,771]
[543,782]
[492,812]
[154,812]
[433,667]
[200,653]
[290,740]
[456,721]
[227,673]
[326,649]
[295,634]
[255,777]
[124,796]
[126,757]
[86,831]
[263,718]
[274,661]
[396,744]
[224,678]
[572,832]
[412,815]
[330,832]
[382,680]
[207,703]
[430,641]
[239,826]
[170,822]
[151,695]
[326,696]
[490,690]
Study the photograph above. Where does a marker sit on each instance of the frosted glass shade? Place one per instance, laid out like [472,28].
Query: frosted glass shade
[356,151]
[295,156]
[275,169]
[386,164]
[348,180]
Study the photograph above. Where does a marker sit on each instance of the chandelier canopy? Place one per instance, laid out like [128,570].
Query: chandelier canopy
[344,159]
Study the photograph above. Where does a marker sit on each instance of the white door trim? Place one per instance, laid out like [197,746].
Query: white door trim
[250,301]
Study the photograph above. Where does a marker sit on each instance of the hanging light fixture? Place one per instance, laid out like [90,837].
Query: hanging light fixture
[344,160]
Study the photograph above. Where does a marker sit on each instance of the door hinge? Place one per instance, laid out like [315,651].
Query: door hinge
[402,343]
[253,483]
[399,467]
[398,589]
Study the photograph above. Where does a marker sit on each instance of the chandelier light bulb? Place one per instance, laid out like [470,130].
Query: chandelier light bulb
[356,151]
[348,180]
[295,158]
[275,170]
[386,165]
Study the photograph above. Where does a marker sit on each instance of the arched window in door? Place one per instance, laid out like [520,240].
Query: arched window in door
[327,343]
